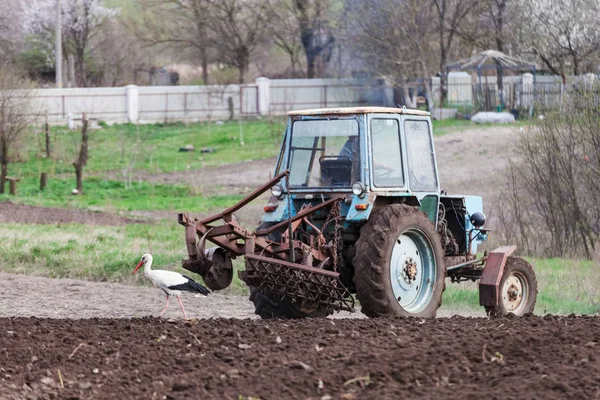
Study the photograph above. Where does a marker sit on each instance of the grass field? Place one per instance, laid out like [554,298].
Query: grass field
[116,150]
[110,253]
[111,195]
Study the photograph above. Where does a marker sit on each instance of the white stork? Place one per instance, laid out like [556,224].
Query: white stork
[172,283]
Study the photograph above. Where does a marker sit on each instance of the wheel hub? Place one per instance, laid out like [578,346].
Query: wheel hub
[410,270]
[513,293]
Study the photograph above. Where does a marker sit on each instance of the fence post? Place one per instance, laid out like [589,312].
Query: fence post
[264,95]
[132,103]
[528,89]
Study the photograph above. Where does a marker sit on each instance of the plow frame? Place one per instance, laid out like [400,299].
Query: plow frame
[270,263]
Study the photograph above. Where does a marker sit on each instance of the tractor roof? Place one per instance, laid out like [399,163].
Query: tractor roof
[358,110]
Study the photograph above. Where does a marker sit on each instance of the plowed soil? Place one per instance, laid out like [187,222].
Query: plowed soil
[463,358]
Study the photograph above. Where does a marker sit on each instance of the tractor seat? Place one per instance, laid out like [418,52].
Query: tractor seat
[335,171]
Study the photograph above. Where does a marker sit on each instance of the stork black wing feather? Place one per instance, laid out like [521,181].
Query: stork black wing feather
[191,286]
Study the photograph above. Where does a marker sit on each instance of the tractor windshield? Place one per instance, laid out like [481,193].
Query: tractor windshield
[324,153]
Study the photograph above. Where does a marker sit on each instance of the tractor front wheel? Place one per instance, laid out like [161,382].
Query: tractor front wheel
[269,305]
[518,289]
[399,267]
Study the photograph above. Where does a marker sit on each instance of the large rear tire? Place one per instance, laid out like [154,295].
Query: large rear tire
[518,289]
[399,267]
[270,305]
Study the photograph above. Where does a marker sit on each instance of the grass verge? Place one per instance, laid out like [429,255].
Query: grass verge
[100,253]
[108,195]
[106,253]
[564,287]
[153,148]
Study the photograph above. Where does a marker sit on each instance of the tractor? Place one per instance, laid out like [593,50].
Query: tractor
[355,212]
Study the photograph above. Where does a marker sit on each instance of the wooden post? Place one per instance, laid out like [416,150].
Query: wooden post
[43,180]
[12,188]
[83,155]
[47,129]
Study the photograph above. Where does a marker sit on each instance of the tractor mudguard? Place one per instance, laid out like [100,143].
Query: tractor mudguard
[492,274]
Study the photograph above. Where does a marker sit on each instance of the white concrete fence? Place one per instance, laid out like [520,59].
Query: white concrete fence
[152,104]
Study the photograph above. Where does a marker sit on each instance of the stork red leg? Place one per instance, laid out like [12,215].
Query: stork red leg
[181,305]
[166,306]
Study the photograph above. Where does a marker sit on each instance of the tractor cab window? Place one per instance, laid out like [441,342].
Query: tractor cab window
[419,149]
[387,154]
[324,153]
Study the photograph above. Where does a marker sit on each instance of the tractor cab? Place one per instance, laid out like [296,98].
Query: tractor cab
[375,149]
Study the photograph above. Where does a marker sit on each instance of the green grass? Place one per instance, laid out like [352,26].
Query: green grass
[153,148]
[109,253]
[446,126]
[564,287]
[108,195]
[101,253]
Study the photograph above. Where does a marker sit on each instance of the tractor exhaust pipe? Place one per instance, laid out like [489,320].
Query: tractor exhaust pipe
[213,265]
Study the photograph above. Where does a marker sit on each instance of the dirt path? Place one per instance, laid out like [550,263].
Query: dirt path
[24,296]
[20,213]
[455,358]
[473,162]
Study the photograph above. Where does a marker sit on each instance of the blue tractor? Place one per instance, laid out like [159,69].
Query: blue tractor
[356,212]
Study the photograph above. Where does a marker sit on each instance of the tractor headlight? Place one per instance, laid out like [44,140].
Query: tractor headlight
[277,191]
[477,219]
[358,189]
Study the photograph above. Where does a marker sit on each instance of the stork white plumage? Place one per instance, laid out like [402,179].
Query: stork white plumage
[170,282]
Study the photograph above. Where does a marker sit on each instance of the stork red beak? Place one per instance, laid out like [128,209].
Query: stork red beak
[137,267]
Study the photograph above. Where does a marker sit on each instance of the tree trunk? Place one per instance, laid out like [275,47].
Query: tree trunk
[78,176]
[204,67]
[3,162]
[310,65]
[408,100]
[576,70]
[443,77]
[83,155]
[80,66]
[47,131]
[3,175]
[428,95]
[243,64]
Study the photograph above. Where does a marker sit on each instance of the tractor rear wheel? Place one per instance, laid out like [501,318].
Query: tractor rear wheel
[270,305]
[518,289]
[399,266]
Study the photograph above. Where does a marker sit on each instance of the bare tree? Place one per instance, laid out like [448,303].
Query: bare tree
[285,31]
[82,156]
[117,55]
[551,205]
[240,26]
[81,22]
[316,30]
[563,33]
[14,117]
[395,40]
[183,26]
[451,15]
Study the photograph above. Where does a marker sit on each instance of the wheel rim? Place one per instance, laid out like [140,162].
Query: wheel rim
[514,293]
[413,271]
